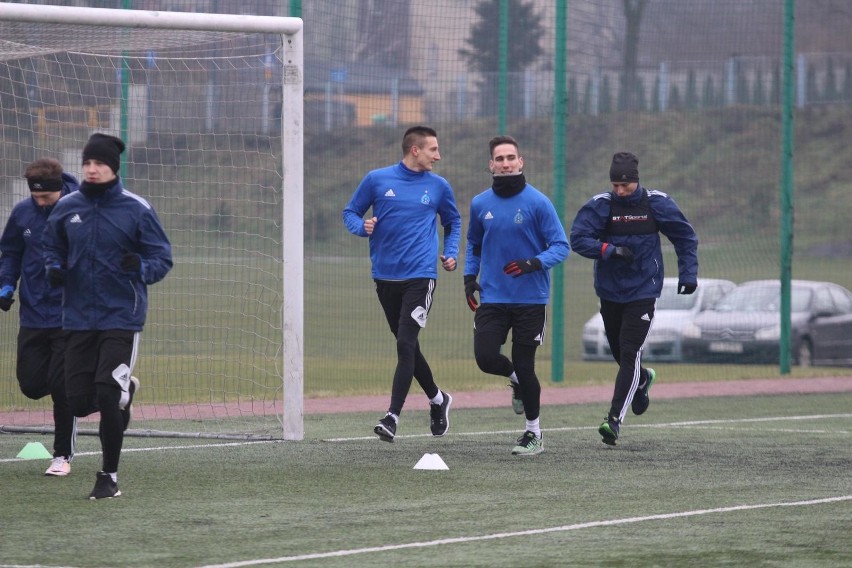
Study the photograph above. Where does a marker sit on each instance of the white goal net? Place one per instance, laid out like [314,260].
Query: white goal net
[211,109]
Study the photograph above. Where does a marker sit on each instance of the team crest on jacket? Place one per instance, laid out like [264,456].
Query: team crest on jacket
[425,199]
[519,218]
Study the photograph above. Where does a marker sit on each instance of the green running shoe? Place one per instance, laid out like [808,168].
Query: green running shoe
[528,445]
[517,401]
[641,400]
[609,430]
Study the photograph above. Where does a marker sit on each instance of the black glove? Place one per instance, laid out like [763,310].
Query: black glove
[131,262]
[686,287]
[55,276]
[523,266]
[471,287]
[623,253]
[6,299]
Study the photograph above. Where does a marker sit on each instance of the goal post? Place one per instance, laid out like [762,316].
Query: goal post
[211,108]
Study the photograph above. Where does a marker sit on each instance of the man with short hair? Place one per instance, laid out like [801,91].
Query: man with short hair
[40,364]
[405,199]
[513,240]
[620,230]
[104,245]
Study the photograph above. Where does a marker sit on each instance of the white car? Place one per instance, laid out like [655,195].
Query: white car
[673,313]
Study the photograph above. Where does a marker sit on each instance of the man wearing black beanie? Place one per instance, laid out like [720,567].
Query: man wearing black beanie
[620,230]
[104,148]
[104,245]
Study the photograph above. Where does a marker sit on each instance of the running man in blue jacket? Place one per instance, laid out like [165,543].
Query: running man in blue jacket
[402,230]
[104,245]
[514,238]
[620,230]
[40,364]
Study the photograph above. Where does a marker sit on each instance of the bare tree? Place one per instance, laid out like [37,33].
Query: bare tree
[384,28]
[629,94]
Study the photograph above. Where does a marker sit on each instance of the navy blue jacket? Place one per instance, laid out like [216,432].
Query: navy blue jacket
[617,281]
[87,235]
[22,258]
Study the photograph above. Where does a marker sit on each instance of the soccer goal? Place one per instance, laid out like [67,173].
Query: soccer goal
[211,109]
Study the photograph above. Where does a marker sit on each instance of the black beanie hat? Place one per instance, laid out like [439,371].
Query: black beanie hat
[624,168]
[104,148]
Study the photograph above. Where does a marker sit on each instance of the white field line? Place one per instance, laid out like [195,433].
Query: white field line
[162,448]
[529,532]
[497,536]
[692,423]
[688,423]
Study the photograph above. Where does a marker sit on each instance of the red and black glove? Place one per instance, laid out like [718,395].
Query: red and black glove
[470,288]
[523,266]
[621,253]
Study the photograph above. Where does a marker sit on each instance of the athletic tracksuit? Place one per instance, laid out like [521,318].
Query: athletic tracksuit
[628,292]
[404,256]
[87,234]
[515,226]
[41,341]
[104,306]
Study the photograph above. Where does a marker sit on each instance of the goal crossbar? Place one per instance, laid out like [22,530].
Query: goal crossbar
[149,19]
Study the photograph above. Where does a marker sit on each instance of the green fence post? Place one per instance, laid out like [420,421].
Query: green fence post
[787,134]
[559,109]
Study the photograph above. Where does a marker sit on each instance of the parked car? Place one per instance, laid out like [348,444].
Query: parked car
[672,313]
[745,325]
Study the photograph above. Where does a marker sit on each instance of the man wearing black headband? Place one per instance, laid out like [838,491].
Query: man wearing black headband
[620,230]
[104,245]
[41,341]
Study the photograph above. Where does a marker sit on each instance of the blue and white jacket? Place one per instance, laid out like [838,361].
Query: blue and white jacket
[87,234]
[503,229]
[617,281]
[21,257]
[404,243]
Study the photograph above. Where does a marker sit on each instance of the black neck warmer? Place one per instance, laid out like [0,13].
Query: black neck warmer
[96,189]
[508,185]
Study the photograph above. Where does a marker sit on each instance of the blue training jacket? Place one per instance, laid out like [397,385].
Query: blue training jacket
[88,236]
[503,229]
[22,258]
[404,243]
[617,281]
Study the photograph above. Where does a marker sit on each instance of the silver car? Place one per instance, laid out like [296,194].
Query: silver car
[673,312]
[745,325]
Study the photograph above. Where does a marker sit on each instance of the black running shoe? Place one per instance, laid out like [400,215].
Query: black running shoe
[609,430]
[440,416]
[386,429]
[105,487]
[641,400]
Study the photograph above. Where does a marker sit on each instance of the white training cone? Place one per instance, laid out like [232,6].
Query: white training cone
[431,461]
